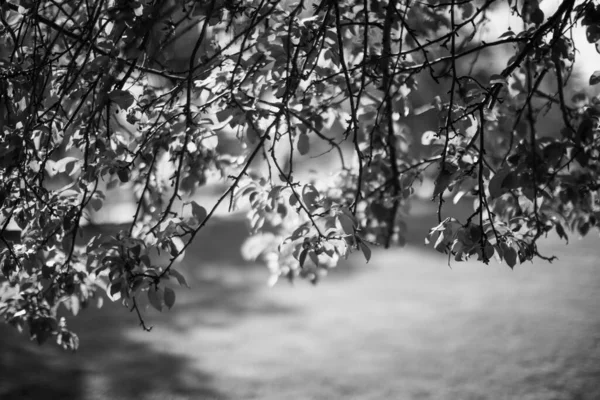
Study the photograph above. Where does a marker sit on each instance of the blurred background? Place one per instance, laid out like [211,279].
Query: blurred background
[404,326]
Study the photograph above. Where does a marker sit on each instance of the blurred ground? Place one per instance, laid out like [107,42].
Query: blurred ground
[404,326]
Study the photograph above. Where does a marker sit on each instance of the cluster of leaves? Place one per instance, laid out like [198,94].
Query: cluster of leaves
[97,96]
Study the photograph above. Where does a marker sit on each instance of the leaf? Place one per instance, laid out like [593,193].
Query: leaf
[488,251]
[583,227]
[210,141]
[465,187]
[442,240]
[154,297]
[137,283]
[169,297]
[347,224]
[139,11]
[585,131]
[310,196]
[537,16]
[441,227]
[123,175]
[302,257]
[593,33]
[223,117]
[122,98]
[293,201]
[303,144]
[144,259]
[75,304]
[50,168]
[191,147]
[495,186]
[300,231]
[176,246]
[98,63]
[314,258]
[561,232]
[365,250]
[441,182]
[595,78]
[66,165]
[252,136]
[510,254]
[116,287]
[180,278]
[511,180]
[198,211]
[96,202]
[553,153]
[467,10]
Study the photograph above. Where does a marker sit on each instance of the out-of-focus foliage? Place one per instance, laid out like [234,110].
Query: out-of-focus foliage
[100,95]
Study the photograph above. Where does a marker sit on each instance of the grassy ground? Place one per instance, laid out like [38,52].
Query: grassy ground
[405,326]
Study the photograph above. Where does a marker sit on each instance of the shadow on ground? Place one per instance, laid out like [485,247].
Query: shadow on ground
[109,364]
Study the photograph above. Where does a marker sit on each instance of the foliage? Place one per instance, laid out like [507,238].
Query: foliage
[97,96]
